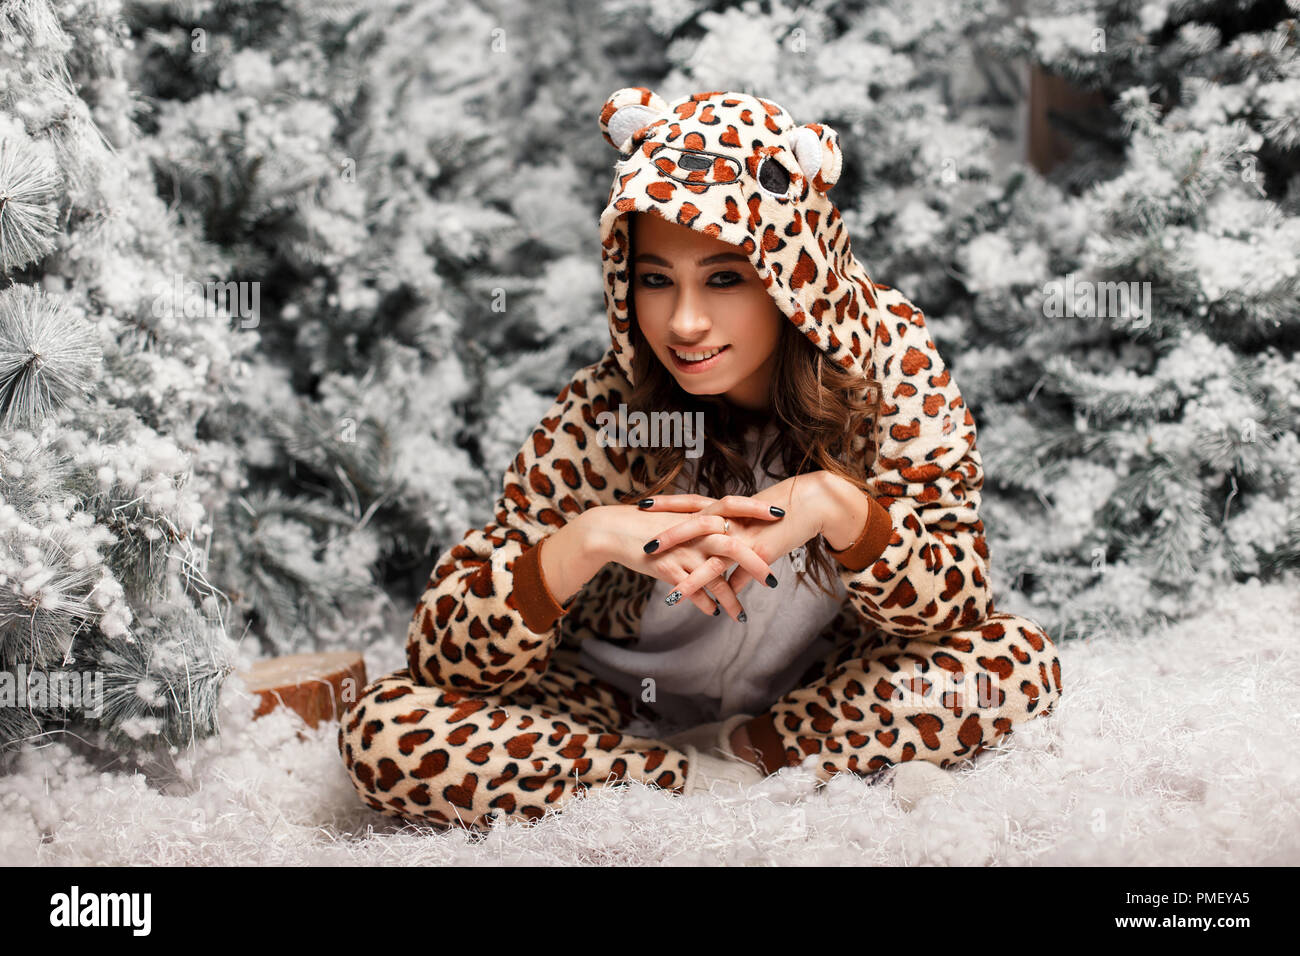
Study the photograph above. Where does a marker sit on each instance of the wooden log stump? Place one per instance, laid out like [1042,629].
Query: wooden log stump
[315,686]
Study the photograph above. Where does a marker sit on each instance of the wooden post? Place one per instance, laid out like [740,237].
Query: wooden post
[1050,96]
[315,686]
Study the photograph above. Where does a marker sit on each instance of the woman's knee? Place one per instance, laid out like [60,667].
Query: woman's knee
[395,740]
[1023,664]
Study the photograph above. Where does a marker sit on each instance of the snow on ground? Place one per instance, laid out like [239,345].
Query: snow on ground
[1175,747]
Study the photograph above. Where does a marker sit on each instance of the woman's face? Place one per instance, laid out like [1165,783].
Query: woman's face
[693,295]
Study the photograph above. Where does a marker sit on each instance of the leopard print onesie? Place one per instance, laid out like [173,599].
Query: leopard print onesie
[495,716]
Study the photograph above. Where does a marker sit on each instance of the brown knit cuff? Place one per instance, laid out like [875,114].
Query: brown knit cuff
[537,605]
[763,735]
[872,540]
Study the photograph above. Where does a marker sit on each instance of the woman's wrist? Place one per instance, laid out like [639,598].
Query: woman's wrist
[845,511]
[573,555]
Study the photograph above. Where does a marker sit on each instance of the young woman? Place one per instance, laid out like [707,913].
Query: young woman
[772,438]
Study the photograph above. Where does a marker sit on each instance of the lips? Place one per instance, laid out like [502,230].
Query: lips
[702,365]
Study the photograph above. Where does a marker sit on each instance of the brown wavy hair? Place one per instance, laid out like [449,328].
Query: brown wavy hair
[812,401]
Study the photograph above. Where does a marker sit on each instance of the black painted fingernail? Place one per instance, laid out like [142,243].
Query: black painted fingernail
[651,546]
[645,502]
[742,618]
[771,580]
[780,513]
[673,598]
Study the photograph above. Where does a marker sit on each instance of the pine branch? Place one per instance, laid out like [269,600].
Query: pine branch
[47,357]
[1120,395]
[165,685]
[1163,499]
[278,574]
[29,182]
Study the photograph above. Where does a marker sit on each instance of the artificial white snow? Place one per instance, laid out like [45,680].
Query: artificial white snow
[919,225]
[736,47]
[1077,496]
[990,263]
[1282,97]
[137,728]
[1152,16]
[1057,37]
[1259,528]
[251,71]
[149,692]
[1167,748]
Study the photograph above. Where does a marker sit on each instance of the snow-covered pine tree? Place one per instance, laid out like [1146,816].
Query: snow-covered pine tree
[336,153]
[487,186]
[1134,315]
[421,225]
[104,487]
[457,292]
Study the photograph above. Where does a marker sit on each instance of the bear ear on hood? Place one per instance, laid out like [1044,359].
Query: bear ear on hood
[816,147]
[629,110]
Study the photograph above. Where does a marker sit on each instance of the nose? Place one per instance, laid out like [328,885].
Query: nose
[690,320]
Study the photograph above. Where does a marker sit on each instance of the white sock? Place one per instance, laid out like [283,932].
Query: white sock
[915,779]
[712,762]
[727,774]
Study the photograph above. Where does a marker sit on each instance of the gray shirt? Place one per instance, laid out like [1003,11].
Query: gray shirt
[693,668]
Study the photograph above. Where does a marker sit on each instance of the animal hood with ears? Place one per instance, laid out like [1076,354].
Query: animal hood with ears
[737,168]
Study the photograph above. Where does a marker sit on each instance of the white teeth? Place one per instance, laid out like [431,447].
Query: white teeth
[697,356]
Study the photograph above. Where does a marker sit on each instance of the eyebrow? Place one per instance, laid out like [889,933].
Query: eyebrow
[654,260]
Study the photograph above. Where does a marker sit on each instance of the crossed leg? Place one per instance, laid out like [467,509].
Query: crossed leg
[445,756]
[452,757]
[880,700]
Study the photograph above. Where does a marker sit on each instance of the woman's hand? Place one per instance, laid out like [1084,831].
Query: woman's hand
[620,533]
[706,544]
[809,502]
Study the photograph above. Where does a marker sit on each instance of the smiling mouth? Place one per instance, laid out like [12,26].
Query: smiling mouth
[698,355]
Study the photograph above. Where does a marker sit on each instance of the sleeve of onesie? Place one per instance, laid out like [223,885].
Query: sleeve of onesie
[487,620]
[920,564]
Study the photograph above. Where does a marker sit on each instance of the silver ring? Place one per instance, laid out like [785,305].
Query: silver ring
[726,526]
